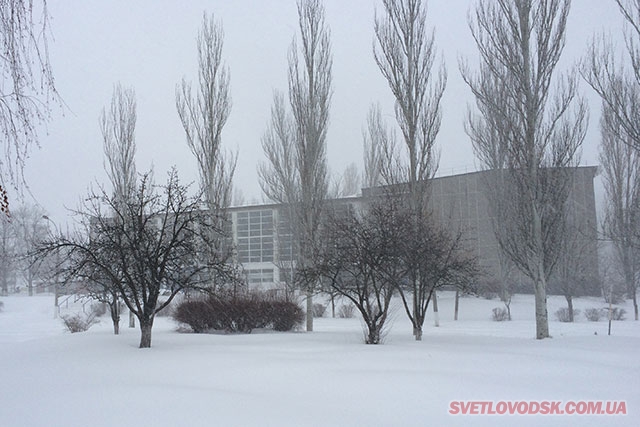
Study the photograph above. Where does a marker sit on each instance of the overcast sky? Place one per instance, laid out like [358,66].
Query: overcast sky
[150,46]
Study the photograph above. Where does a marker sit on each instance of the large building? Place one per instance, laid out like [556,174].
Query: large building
[264,244]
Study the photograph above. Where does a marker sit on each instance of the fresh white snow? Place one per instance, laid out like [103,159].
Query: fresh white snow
[49,377]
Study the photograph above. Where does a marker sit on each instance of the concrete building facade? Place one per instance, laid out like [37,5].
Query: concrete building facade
[265,248]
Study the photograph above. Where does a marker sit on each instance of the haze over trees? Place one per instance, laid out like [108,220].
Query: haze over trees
[536,120]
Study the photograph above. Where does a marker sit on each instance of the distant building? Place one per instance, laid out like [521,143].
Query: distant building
[264,245]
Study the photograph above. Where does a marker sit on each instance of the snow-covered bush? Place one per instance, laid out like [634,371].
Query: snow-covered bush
[78,322]
[499,314]
[562,314]
[346,311]
[593,314]
[318,310]
[240,314]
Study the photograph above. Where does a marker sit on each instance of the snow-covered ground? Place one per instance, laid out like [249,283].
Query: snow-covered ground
[49,377]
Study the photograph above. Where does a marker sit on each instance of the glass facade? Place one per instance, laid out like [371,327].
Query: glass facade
[254,231]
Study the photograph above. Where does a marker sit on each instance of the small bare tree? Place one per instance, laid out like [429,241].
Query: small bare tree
[618,81]
[203,116]
[359,261]
[405,54]
[536,128]
[621,176]
[28,88]
[295,144]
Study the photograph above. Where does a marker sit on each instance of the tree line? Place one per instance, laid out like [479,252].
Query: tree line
[527,126]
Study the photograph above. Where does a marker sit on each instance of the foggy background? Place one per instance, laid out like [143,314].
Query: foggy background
[151,46]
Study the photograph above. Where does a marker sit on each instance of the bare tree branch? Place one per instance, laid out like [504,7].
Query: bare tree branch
[28,90]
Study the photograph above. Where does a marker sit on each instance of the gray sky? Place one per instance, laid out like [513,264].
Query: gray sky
[150,45]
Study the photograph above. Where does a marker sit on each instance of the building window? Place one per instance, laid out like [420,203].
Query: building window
[254,232]
[257,277]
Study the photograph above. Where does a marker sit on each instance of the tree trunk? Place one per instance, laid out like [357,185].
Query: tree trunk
[508,309]
[570,305]
[115,316]
[309,311]
[635,304]
[333,306]
[455,310]
[436,314]
[417,332]
[145,332]
[30,287]
[542,318]
[132,319]
[374,334]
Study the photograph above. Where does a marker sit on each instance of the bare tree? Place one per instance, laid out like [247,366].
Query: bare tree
[376,137]
[295,144]
[405,54]
[618,81]
[28,88]
[571,278]
[538,129]
[204,114]
[147,246]
[621,176]
[279,176]
[347,184]
[359,261]
[118,125]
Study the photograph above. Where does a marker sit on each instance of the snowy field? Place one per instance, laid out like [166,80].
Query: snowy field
[49,377]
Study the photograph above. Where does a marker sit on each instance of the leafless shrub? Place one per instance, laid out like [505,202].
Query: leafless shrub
[78,322]
[346,311]
[563,314]
[593,314]
[241,314]
[499,314]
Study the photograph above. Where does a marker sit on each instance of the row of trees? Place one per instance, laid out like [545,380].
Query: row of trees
[617,81]
[528,125]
